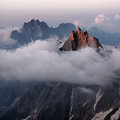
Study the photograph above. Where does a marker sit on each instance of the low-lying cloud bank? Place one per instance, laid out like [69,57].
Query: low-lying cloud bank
[42,61]
[5,39]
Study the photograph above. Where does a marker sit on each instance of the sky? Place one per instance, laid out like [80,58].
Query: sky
[83,12]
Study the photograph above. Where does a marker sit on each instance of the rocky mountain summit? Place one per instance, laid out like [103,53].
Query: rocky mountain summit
[34,30]
[80,39]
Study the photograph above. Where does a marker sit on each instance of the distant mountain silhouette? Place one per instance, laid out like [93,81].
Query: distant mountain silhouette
[105,37]
[34,29]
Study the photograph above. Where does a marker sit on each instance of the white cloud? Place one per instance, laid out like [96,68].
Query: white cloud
[117,17]
[86,90]
[77,23]
[5,37]
[105,23]
[42,61]
[99,19]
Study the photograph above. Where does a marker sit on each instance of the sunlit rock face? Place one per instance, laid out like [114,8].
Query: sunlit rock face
[80,39]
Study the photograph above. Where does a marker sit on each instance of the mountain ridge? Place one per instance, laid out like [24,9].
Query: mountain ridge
[50,100]
[105,37]
[34,29]
[64,101]
[80,39]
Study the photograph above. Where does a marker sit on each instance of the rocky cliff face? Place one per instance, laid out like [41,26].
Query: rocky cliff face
[57,100]
[63,101]
[10,91]
[80,39]
[34,29]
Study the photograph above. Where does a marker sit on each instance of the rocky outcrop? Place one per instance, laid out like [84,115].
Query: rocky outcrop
[80,39]
[63,101]
[34,29]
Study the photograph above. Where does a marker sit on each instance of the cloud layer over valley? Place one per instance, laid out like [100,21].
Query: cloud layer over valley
[42,61]
[5,39]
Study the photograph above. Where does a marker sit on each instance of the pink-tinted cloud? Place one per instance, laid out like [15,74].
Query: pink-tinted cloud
[77,23]
[117,17]
[99,19]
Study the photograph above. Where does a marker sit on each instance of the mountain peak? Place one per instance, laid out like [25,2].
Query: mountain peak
[72,34]
[34,29]
[78,30]
[33,20]
[80,40]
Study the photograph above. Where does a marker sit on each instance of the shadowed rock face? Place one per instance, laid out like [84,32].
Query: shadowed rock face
[80,40]
[60,101]
[34,30]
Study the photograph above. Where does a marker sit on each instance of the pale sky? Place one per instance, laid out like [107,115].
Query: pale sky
[59,4]
[16,12]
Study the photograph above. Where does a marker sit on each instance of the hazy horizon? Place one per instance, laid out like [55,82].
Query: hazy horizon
[83,13]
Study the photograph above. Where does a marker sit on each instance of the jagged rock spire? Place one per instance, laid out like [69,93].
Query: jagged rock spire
[80,40]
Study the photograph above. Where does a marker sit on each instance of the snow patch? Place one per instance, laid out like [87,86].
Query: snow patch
[98,97]
[70,114]
[86,103]
[60,42]
[27,118]
[15,101]
[108,47]
[116,116]
[58,84]
[101,115]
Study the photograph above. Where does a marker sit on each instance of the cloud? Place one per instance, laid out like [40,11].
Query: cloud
[86,90]
[42,61]
[77,23]
[99,19]
[117,17]
[5,37]
[105,23]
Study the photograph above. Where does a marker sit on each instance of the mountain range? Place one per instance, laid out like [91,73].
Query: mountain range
[34,30]
[59,101]
[107,38]
[50,100]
